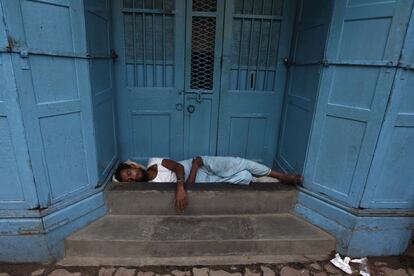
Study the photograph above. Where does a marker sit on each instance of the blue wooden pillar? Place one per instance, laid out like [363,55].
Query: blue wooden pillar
[358,170]
[51,160]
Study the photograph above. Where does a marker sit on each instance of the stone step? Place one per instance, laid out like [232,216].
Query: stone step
[191,261]
[207,199]
[126,236]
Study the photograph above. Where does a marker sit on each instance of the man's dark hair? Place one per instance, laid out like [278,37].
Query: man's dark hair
[124,166]
[121,167]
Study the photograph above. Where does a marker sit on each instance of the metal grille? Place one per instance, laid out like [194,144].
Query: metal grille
[255,44]
[149,42]
[205,5]
[202,52]
[258,7]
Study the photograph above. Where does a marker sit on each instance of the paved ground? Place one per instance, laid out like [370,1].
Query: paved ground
[392,266]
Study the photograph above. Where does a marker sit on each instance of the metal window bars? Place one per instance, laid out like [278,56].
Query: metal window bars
[256,28]
[149,42]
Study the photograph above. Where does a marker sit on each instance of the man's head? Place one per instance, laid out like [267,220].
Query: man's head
[130,173]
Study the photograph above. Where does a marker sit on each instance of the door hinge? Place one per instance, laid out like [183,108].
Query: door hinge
[114,55]
[24,59]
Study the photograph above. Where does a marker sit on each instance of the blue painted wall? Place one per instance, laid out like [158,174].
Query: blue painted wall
[390,182]
[101,75]
[18,189]
[360,150]
[308,49]
[48,135]
[347,119]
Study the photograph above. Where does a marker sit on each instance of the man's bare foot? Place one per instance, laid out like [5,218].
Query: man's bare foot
[294,179]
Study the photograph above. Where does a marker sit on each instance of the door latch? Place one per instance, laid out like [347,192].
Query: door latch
[179,107]
[287,61]
[191,108]
[24,59]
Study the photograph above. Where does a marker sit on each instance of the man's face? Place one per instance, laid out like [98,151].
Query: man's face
[132,174]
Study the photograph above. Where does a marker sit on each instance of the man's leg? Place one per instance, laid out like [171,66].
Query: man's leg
[240,178]
[227,166]
[224,166]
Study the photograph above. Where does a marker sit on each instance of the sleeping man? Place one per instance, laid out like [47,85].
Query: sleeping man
[203,169]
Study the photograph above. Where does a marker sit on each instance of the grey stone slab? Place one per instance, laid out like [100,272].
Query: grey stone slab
[267,271]
[316,266]
[248,272]
[394,272]
[38,272]
[322,273]
[181,273]
[197,228]
[146,273]
[200,271]
[103,271]
[289,271]
[203,228]
[223,273]
[63,272]
[122,271]
[201,202]
[178,236]
[331,269]
[191,260]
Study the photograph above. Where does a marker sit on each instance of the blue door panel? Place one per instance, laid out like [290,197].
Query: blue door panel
[302,89]
[98,36]
[58,145]
[203,44]
[17,189]
[151,134]
[247,135]
[353,96]
[53,88]
[199,126]
[149,77]
[390,181]
[253,77]
[312,22]
[308,48]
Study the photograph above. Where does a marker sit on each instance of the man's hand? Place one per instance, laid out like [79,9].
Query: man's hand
[197,162]
[181,200]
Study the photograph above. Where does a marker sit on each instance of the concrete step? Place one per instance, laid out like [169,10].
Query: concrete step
[123,237]
[204,199]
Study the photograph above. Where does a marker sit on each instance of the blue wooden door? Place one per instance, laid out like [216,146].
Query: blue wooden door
[51,69]
[363,50]
[98,36]
[17,188]
[149,37]
[308,49]
[391,181]
[257,37]
[204,36]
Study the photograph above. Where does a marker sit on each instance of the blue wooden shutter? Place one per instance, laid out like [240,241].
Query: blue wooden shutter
[149,77]
[257,37]
[302,85]
[52,80]
[17,188]
[365,37]
[97,19]
[391,180]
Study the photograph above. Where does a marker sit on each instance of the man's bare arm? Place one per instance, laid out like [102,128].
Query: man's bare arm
[181,200]
[197,163]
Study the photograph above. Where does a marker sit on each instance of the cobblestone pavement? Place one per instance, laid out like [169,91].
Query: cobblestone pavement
[388,266]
